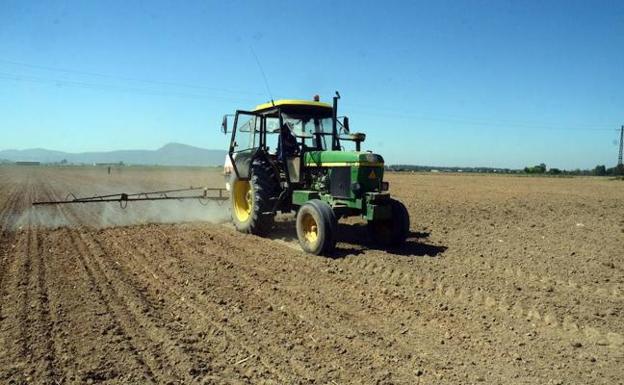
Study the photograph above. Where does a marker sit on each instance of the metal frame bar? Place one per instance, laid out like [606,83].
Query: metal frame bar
[141,196]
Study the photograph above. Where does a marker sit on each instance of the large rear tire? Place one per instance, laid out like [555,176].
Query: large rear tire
[252,201]
[394,230]
[316,228]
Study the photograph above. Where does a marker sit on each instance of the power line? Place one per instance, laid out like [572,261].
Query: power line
[479,122]
[366,110]
[114,88]
[373,112]
[131,79]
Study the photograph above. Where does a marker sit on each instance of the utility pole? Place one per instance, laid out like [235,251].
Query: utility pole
[621,145]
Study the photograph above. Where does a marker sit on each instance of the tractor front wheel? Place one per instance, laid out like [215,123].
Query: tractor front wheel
[316,227]
[394,230]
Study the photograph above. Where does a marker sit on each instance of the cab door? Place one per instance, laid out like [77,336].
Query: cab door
[245,142]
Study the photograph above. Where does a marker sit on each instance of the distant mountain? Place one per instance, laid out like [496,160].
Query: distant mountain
[172,154]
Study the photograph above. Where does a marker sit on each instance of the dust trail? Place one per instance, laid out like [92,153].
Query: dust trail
[109,214]
[101,215]
[161,212]
[34,217]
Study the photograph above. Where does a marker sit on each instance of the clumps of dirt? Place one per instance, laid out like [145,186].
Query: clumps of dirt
[496,284]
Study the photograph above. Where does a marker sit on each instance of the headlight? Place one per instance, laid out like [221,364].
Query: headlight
[385,186]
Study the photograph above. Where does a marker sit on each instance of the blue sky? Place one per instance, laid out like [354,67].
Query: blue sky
[474,83]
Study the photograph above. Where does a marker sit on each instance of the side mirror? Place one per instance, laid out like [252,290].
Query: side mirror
[358,137]
[345,124]
[224,125]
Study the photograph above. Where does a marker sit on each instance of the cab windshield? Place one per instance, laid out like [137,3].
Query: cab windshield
[316,131]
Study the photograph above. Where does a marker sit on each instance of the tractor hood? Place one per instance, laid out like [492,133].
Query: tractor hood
[342,158]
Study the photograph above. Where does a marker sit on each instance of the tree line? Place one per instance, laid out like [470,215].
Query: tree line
[599,170]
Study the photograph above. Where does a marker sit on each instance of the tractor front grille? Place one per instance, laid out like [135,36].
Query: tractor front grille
[340,182]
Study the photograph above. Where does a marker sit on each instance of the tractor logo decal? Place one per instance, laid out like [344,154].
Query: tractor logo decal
[372,175]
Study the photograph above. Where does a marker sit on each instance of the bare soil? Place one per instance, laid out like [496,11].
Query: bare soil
[503,280]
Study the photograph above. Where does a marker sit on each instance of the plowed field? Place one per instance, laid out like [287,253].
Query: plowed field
[506,280]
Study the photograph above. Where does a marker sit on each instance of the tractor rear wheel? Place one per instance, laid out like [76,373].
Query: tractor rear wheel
[316,227]
[251,200]
[394,230]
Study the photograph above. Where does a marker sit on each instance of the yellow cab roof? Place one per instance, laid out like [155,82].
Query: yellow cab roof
[292,103]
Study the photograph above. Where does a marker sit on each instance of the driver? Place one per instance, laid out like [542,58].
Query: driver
[287,145]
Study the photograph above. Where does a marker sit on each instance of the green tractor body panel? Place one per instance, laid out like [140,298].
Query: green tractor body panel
[330,158]
[300,197]
[353,183]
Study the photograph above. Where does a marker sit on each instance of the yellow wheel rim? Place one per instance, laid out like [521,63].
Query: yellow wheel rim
[310,228]
[242,199]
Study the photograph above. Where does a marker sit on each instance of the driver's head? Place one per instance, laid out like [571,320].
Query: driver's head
[286,127]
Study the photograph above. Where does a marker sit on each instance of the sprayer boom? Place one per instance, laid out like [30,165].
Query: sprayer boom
[124,198]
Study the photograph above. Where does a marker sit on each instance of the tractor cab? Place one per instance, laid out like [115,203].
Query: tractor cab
[288,155]
[283,131]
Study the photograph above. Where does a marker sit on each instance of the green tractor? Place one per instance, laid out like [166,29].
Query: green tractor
[289,155]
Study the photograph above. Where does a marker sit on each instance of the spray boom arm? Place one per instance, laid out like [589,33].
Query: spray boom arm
[124,198]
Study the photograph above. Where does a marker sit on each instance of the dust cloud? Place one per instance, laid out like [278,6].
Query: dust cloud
[161,212]
[110,214]
[27,185]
